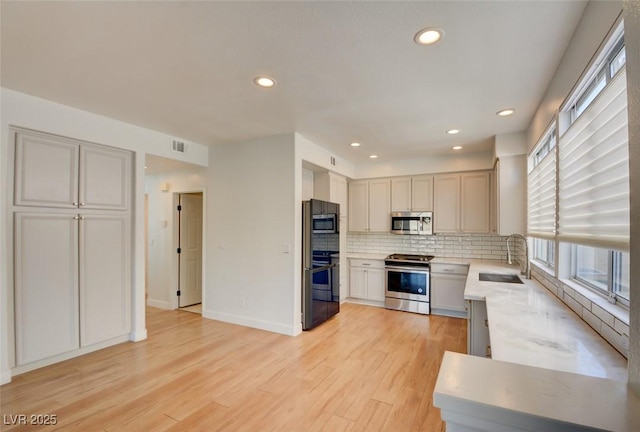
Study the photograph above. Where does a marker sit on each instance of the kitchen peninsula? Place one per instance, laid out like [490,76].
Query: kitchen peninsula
[549,370]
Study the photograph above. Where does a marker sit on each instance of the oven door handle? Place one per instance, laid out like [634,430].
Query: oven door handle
[409,269]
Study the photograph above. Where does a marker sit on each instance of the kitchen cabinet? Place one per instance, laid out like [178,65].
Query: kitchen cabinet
[369,205]
[447,289]
[366,280]
[478,341]
[446,203]
[59,172]
[511,195]
[412,193]
[72,246]
[462,203]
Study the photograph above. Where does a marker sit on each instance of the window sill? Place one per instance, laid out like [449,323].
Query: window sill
[619,312]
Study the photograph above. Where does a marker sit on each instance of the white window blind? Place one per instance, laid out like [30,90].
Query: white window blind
[594,173]
[542,197]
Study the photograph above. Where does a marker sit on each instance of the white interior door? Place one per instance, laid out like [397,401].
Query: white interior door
[190,271]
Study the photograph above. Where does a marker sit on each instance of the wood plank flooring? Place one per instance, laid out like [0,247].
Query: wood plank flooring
[367,369]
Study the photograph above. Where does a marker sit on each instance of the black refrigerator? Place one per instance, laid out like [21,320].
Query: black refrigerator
[320,262]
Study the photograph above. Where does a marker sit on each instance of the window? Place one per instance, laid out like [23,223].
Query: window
[544,252]
[541,187]
[611,62]
[548,143]
[604,271]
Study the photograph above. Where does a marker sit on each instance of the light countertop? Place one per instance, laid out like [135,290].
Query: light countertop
[363,255]
[529,326]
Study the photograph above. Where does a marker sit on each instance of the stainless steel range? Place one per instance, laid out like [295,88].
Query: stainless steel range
[407,282]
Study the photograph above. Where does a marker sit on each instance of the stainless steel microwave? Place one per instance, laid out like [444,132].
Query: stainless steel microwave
[324,223]
[416,223]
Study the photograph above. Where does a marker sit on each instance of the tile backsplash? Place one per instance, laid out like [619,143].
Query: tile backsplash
[478,246]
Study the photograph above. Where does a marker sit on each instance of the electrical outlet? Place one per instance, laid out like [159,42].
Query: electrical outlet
[242,302]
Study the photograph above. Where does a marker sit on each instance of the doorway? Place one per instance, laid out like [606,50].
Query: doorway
[189,250]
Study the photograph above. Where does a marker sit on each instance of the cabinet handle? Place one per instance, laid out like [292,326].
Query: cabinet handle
[76,218]
[82,204]
[75,204]
[486,323]
[488,351]
[365,264]
[448,270]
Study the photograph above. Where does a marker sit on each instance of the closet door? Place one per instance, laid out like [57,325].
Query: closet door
[105,282]
[105,178]
[46,285]
[46,171]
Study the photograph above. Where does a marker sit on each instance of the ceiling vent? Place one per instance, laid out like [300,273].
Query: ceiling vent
[178,146]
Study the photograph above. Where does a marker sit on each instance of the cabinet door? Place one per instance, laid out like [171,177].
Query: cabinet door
[46,285]
[375,284]
[446,203]
[379,205]
[447,292]
[46,171]
[105,178]
[105,282]
[475,216]
[422,193]
[359,206]
[358,282]
[338,194]
[401,194]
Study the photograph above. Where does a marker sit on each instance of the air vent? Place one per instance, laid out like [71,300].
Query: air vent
[333,161]
[178,146]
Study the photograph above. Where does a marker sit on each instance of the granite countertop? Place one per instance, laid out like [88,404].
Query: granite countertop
[529,326]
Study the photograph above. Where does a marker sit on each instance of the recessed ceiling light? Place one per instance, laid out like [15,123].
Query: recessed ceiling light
[264,81]
[506,112]
[355,144]
[453,131]
[428,36]
[373,156]
[457,147]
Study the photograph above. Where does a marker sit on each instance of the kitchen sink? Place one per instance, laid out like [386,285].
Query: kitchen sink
[495,277]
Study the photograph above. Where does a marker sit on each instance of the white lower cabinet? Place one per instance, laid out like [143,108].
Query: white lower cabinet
[447,289]
[478,342]
[72,282]
[366,279]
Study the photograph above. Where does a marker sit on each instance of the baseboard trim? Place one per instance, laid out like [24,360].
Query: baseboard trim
[160,304]
[5,377]
[253,323]
[137,336]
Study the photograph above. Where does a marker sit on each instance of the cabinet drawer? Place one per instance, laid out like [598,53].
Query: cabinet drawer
[366,263]
[457,269]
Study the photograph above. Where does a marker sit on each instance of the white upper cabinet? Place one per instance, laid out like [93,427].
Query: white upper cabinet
[474,202]
[401,194]
[46,171]
[370,205]
[422,193]
[104,178]
[462,203]
[446,203]
[511,195]
[63,173]
[412,194]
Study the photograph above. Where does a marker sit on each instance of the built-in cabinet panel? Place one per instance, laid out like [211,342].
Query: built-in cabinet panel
[105,178]
[46,279]
[104,277]
[72,245]
[447,289]
[475,202]
[370,205]
[446,203]
[46,171]
[478,340]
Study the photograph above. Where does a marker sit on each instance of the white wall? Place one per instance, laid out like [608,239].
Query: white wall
[252,213]
[162,278]
[30,112]
[632,42]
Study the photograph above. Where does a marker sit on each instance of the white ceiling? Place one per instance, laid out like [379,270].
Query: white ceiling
[346,71]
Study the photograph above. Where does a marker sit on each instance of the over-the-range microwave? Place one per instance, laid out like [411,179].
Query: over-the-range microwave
[416,223]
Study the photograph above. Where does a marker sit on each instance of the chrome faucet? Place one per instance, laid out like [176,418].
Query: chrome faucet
[527,267]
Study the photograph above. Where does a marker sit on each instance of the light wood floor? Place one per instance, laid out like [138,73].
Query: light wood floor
[367,369]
